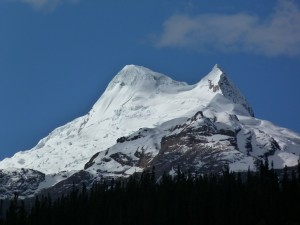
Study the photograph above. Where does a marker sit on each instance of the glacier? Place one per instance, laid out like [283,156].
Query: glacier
[138,98]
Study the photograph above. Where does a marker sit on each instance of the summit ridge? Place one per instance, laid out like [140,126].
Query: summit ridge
[144,116]
[218,82]
[141,77]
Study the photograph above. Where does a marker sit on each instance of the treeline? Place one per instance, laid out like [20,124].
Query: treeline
[259,198]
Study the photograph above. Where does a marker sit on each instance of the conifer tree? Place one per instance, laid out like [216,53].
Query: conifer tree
[225,199]
[1,211]
[266,165]
[298,171]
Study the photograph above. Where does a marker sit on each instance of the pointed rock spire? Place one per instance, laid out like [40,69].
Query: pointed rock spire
[218,82]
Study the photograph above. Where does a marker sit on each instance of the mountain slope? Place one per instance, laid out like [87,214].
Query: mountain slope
[199,144]
[137,97]
[146,119]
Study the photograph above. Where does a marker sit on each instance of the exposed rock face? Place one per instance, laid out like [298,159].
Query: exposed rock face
[22,182]
[199,147]
[135,98]
[145,119]
[198,144]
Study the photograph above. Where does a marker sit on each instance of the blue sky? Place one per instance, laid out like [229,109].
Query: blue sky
[57,56]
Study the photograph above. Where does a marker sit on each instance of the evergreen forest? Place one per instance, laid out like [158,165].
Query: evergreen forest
[260,198]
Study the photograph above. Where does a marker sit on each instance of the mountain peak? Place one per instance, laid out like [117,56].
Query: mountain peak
[218,82]
[217,67]
[215,75]
[134,69]
[141,77]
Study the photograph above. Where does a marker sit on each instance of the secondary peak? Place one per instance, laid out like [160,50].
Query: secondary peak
[134,68]
[217,82]
[142,78]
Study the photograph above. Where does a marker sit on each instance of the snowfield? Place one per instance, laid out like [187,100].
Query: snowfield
[141,102]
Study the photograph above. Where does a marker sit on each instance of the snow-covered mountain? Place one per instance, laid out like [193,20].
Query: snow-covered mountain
[146,119]
[137,97]
[203,143]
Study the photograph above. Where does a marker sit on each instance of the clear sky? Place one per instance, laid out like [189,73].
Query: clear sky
[57,56]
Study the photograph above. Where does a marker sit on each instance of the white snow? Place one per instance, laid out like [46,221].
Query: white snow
[138,97]
[52,179]
[282,159]
[243,165]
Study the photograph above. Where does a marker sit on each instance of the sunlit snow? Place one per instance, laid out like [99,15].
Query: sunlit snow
[140,98]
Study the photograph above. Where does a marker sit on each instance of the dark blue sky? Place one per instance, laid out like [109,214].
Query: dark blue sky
[57,56]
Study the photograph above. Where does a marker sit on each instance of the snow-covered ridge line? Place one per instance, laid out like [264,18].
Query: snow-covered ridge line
[136,98]
[133,75]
